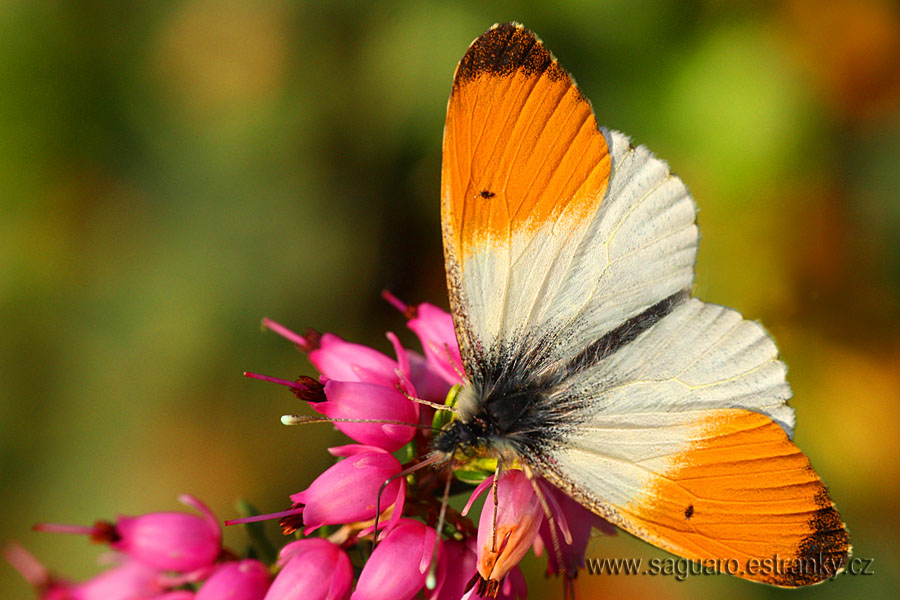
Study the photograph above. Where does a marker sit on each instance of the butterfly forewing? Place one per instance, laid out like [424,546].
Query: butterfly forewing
[544,252]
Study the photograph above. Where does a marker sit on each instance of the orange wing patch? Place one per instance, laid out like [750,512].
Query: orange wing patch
[521,145]
[745,493]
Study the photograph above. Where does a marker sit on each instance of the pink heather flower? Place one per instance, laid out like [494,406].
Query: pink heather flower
[358,400]
[435,330]
[347,492]
[166,541]
[456,566]
[398,567]
[177,595]
[574,523]
[519,516]
[127,581]
[243,580]
[46,586]
[312,569]
[346,361]
[513,586]
[359,383]
[428,383]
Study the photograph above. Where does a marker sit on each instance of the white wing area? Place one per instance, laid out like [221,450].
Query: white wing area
[567,284]
[648,402]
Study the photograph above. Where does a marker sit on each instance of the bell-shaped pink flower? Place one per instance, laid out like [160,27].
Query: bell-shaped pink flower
[456,566]
[338,360]
[347,492]
[165,541]
[312,569]
[398,567]
[434,327]
[427,381]
[129,580]
[171,541]
[357,400]
[46,586]
[237,580]
[514,586]
[519,516]
[574,523]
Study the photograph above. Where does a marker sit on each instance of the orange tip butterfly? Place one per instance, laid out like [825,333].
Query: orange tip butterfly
[570,255]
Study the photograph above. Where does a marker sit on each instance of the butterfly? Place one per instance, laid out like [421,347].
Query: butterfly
[569,256]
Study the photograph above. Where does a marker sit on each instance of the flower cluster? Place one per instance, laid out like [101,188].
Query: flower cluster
[374,526]
[157,556]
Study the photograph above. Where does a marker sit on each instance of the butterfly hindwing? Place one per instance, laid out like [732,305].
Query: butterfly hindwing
[682,437]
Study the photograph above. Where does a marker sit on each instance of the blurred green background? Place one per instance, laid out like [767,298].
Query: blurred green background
[171,172]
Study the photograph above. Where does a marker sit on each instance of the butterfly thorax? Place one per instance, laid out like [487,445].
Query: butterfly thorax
[494,421]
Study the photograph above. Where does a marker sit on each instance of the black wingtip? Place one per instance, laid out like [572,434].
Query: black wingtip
[504,49]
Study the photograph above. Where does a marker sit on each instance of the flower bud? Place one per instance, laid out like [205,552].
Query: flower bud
[574,523]
[348,491]
[344,361]
[165,541]
[434,327]
[456,566]
[519,516]
[131,579]
[243,580]
[355,400]
[398,567]
[171,541]
[312,569]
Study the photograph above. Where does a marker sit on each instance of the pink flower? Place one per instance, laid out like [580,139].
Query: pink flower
[398,567]
[574,523]
[166,541]
[46,586]
[435,330]
[358,400]
[176,595]
[513,586]
[456,566]
[132,579]
[244,580]
[519,516]
[347,492]
[360,383]
[345,361]
[312,569]
[428,383]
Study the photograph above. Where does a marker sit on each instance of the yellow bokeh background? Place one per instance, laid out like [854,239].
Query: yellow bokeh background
[171,172]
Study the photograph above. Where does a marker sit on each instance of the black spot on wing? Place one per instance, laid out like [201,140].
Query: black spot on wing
[504,49]
[689,511]
[487,194]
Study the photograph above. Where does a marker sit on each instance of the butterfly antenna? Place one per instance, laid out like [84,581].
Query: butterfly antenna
[306,420]
[431,580]
[412,398]
[425,463]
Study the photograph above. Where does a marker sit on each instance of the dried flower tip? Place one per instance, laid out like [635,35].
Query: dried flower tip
[488,588]
[409,311]
[309,390]
[306,343]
